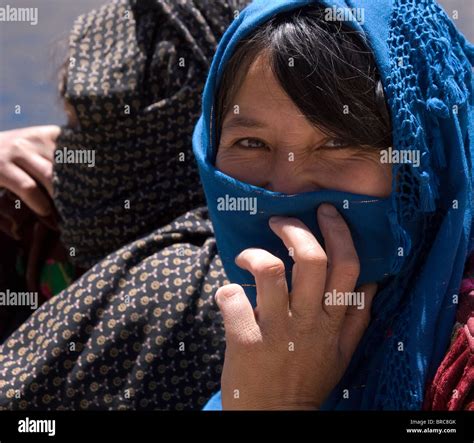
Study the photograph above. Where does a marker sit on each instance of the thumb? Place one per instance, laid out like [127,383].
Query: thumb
[239,319]
[357,320]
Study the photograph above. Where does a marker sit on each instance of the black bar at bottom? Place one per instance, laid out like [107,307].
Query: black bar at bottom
[315,426]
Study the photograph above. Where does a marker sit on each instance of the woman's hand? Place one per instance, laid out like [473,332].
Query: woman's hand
[26,159]
[292,351]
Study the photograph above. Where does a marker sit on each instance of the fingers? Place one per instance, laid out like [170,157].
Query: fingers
[343,262]
[39,168]
[272,290]
[239,321]
[50,134]
[20,183]
[39,139]
[26,161]
[356,321]
[309,271]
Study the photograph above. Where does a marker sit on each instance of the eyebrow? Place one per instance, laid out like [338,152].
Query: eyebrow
[239,121]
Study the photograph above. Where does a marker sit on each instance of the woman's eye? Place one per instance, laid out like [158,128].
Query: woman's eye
[251,143]
[336,143]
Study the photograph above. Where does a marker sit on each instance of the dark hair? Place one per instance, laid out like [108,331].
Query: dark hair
[322,66]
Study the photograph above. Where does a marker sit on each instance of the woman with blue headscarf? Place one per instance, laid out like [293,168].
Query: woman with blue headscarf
[321,198]
[362,111]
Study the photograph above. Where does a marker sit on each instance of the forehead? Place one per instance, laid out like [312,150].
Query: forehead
[261,92]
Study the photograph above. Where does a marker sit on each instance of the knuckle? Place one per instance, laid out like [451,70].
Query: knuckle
[17,147]
[362,320]
[313,255]
[248,338]
[27,186]
[329,326]
[270,269]
[350,268]
[307,329]
[48,174]
[303,324]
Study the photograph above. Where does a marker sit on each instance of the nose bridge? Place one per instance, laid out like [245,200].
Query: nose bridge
[287,176]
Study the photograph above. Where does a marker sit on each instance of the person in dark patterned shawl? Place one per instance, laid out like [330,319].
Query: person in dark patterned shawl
[139,329]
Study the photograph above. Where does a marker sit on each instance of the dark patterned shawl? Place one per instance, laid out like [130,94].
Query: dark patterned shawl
[140,329]
[135,74]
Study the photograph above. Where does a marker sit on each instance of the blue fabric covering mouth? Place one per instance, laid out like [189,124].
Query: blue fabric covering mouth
[418,239]
[243,212]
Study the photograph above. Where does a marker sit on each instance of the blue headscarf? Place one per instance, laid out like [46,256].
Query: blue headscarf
[413,243]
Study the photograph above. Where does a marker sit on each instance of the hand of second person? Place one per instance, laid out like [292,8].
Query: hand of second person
[294,348]
[26,160]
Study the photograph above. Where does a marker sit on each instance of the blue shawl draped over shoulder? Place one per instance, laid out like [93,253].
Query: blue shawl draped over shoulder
[425,67]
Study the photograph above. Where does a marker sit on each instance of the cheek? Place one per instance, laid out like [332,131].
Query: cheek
[364,176]
[354,174]
[246,168]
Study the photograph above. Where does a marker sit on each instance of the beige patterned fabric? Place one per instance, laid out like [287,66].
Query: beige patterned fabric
[140,330]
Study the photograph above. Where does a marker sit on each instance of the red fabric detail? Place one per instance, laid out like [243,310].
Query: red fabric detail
[452,388]
[465,309]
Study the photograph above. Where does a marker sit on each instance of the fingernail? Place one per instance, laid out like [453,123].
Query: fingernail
[328,210]
[225,293]
[276,219]
[217,295]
